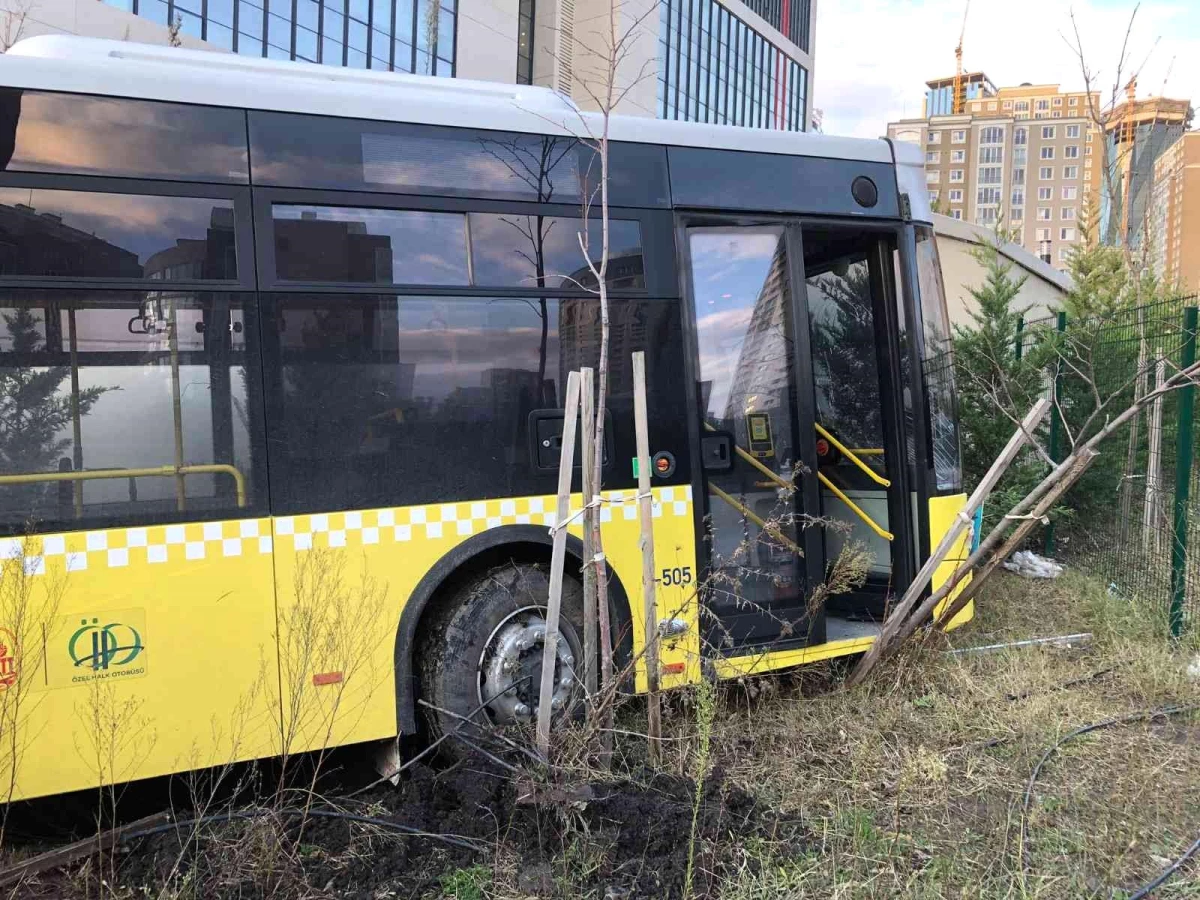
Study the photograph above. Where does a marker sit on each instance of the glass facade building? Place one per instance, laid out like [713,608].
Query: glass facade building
[393,35]
[791,17]
[713,67]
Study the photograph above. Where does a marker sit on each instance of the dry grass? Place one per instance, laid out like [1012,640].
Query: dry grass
[912,785]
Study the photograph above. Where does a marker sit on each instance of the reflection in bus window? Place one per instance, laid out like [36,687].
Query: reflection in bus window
[82,135]
[85,234]
[350,154]
[743,300]
[938,365]
[118,347]
[385,400]
[374,246]
[511,250]
[845,362]
[390,246]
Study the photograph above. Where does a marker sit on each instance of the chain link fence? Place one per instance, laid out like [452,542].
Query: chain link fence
[1134,519]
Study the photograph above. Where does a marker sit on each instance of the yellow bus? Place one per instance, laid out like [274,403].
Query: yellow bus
[282,361]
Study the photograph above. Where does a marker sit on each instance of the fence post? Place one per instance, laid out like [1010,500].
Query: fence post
[1020,345]
[1183,478]
[1055,424]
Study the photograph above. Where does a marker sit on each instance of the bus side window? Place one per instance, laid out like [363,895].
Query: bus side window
[100,375]
[384,400]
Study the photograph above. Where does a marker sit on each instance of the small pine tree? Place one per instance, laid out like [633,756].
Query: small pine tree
[34,413]
[995,386]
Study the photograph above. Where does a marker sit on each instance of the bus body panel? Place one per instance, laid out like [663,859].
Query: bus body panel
[201,599]
[166,654]
[150,650]
[942,513]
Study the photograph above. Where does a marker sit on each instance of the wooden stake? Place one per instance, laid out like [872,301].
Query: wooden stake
[1190,375]
[646,520]
[566,463]
[587,413]
[1028,523]
[1150,507]
[896,619]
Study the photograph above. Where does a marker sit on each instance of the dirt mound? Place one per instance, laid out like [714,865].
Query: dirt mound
[624,839]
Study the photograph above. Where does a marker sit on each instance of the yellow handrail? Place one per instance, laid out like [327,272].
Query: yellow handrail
[239,480]
[782,482]
[849,454]
[854,508]
[756,519]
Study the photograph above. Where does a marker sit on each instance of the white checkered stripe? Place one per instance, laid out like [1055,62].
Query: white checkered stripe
[453,521]
[117,548]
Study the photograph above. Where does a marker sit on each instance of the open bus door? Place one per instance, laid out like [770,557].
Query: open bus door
[797,355]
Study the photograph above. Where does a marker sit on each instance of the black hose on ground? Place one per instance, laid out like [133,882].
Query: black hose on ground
[1144,715]
[452,839]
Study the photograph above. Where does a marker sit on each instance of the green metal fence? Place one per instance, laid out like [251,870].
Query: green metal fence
[1134,519]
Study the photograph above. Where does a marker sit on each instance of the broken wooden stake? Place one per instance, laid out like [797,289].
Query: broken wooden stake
[61,856]
[646,545]
[895,622]
[587,413]
[1079,465]
[566,465]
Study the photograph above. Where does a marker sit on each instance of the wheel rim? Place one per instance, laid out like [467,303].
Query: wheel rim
[511,663]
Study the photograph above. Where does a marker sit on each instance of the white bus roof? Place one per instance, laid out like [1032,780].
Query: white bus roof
[143,71]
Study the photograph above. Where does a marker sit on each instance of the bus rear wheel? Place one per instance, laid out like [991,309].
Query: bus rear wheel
[483,659]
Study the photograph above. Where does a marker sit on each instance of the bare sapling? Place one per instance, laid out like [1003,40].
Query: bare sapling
[646,546]
[895,621]
[558,555]
[331,636]
[30,596]
[591,517]
[605,89]
[14,22]
[1033,508]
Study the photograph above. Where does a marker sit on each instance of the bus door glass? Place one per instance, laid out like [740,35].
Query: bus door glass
[854,340]
[755,422]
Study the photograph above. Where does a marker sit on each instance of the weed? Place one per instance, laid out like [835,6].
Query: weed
[466,884]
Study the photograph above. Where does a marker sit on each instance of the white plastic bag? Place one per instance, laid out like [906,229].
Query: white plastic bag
[1030,565]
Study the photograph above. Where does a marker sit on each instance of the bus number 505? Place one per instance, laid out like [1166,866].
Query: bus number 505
[677,575]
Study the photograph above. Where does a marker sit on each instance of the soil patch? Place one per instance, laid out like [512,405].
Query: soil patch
[620,838]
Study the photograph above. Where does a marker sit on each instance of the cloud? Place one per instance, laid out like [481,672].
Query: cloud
[873,57]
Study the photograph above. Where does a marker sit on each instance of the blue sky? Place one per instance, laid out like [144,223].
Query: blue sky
[874,56]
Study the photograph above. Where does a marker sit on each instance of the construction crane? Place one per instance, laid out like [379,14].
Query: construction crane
[960,89]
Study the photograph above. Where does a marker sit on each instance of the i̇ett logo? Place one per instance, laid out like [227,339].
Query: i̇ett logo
[102,646]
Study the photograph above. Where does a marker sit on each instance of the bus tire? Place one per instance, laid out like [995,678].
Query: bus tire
[487,645]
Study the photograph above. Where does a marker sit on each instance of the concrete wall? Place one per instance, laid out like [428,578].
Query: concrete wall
[1044,288]
[636,79]
[29,18]
[487,40]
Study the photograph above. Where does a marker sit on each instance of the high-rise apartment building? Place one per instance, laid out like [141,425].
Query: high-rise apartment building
[1174,215]
[738,62]
[939,93]
[1026,158]
[1139,133]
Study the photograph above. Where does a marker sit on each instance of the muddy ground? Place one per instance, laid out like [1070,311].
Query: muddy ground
[620,838]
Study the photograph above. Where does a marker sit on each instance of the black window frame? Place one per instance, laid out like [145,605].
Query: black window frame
[190,177]
[259,123]
[540,480]
[258,502]
[238,195]
[658,248]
